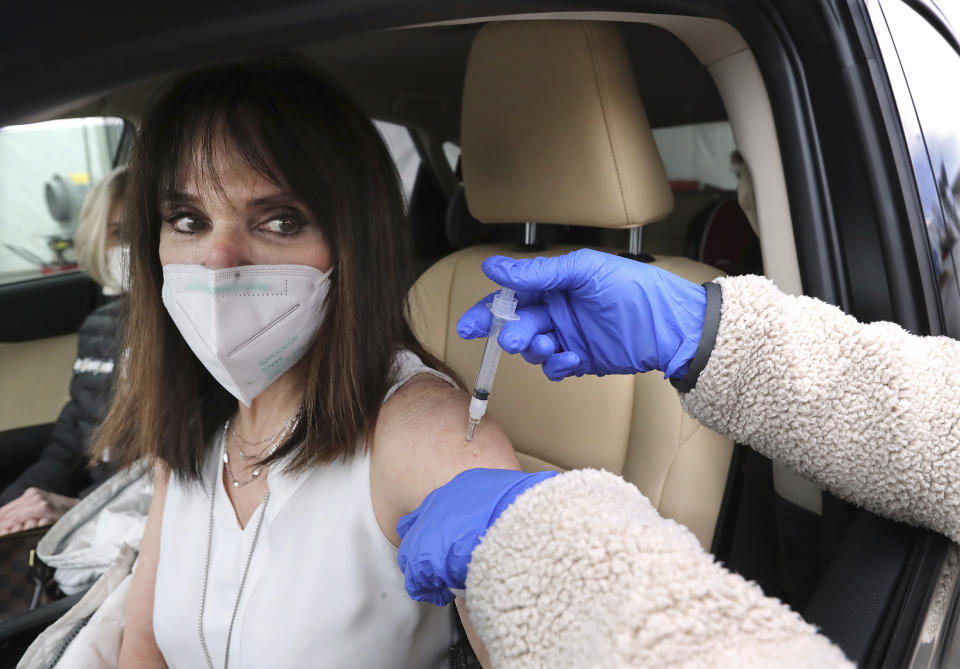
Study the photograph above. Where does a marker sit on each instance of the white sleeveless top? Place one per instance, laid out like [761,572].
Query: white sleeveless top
[323,588]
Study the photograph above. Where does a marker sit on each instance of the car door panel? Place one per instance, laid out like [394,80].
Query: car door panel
[38,346]
[35,380]
[45,307]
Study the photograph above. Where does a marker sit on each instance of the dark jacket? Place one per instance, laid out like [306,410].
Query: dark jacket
[62,465]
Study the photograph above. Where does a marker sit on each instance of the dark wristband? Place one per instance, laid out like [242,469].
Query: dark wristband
[708,339]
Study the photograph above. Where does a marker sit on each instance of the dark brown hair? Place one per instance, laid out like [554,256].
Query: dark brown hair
[294,126]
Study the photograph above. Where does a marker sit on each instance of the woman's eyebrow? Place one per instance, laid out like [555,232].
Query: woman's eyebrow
[282,198]
[177,197]
[276,199]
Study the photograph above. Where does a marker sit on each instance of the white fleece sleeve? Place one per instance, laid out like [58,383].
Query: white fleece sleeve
[868,411]
[580,571]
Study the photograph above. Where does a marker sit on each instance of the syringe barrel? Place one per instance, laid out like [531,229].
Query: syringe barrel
[502,309]
[488,365]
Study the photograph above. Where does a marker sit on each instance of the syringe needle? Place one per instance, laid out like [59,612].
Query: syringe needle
[472,427]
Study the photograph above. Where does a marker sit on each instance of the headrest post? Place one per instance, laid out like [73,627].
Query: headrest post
[635,246]
[635,241]
[529,234]
[530,242]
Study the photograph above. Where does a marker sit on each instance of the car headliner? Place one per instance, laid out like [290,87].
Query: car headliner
[71,65]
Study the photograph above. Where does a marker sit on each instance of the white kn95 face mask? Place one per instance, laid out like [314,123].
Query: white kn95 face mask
[247,325]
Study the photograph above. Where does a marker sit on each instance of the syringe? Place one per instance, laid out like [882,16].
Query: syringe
[503,309]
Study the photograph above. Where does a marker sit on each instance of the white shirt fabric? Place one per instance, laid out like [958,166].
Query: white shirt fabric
[323,589]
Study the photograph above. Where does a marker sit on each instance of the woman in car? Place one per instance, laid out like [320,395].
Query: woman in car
[52,484]
[272,378]
[868,411]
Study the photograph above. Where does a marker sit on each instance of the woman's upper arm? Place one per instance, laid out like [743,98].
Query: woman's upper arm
[420,444]
[139,647]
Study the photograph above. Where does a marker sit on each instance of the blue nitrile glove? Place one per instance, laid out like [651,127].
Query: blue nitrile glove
[589,312]
[440,535]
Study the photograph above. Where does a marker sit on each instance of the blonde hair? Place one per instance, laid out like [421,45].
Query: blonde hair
[90,239]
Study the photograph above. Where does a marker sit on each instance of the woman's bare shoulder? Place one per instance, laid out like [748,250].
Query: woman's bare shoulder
[420,440]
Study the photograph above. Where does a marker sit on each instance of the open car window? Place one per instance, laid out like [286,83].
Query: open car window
[46,170]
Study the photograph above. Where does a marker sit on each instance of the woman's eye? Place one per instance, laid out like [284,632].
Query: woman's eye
[185,224]
[283,225]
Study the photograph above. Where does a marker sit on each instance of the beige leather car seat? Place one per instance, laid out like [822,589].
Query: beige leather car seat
[553,131]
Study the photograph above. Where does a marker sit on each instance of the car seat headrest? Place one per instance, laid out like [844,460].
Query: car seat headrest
[554,131]
[463,230]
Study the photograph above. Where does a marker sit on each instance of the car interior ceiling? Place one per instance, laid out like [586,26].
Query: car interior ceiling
[414,77]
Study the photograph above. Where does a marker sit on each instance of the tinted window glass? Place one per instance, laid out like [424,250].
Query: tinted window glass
[698,152]
[452,153]
[404,152]
[46,169]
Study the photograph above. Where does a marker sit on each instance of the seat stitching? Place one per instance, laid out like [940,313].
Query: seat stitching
[606,125]
[681,442]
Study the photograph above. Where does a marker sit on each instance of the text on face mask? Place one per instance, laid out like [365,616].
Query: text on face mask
[275,363]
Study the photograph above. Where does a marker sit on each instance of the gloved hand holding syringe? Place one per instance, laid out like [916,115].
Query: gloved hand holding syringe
[503,309]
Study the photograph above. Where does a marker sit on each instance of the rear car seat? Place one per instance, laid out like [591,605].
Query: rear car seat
[721,236]
[553,131]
